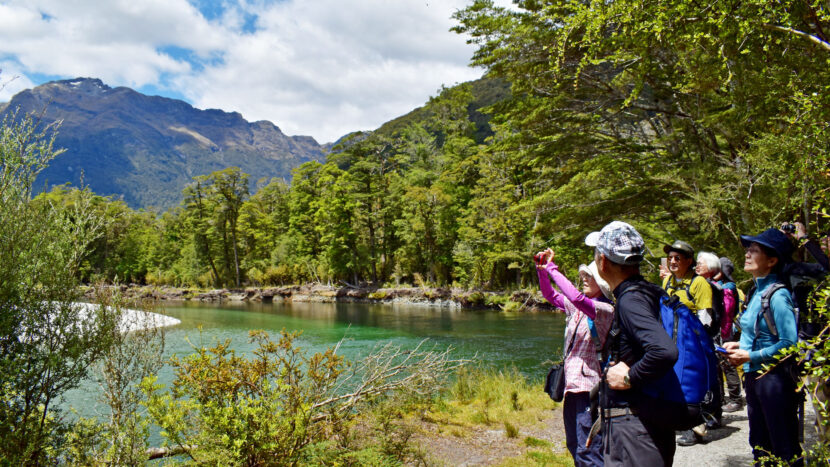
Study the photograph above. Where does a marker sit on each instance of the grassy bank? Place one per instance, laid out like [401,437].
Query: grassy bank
[490,416]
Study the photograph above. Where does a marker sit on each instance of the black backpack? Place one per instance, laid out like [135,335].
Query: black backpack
[802,278]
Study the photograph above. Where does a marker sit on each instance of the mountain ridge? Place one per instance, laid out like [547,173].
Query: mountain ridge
[145,149]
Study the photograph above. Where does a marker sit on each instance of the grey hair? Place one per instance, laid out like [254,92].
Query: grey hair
[711,260]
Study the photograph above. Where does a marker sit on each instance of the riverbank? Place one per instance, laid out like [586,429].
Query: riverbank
[520,300]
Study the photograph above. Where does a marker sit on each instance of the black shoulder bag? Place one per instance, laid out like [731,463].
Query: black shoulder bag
[555,382]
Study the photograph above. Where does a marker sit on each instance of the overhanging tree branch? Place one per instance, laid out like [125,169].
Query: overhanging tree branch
[814,39]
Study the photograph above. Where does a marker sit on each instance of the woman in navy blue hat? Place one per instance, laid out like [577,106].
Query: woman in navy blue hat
[771,400]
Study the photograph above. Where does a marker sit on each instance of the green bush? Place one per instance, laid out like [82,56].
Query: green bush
[510,430]
[283,406]
[48,342]
[378,295]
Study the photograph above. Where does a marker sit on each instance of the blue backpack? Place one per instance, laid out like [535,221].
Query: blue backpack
[694,381]
[692,388]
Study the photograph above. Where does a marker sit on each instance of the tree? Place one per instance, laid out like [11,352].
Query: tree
[47,341]
[660,113]
[212,205]
[263,223]
[231,189]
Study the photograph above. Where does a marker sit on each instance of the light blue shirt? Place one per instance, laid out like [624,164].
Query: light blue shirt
[763,348]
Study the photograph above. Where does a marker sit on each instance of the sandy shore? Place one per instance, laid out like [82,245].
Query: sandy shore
[134,320]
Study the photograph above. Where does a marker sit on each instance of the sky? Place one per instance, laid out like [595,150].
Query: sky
[322,68]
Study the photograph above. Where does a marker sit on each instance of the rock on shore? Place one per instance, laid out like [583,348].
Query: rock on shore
[445,297]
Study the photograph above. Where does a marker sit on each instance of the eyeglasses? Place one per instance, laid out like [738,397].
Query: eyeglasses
[675,258]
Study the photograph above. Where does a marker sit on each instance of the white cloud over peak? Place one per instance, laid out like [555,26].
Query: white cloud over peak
[318,67]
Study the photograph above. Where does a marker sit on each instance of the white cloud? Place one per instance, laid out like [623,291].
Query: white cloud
[12,81]
[318,67]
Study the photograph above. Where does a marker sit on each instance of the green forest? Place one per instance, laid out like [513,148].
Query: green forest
[694,122]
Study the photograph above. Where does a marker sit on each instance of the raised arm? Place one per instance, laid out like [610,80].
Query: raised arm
[580,301]
[555,298]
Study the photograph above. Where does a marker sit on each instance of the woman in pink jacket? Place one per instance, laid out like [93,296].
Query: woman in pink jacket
[590,315]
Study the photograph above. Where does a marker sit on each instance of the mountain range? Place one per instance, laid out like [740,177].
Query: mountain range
[145,149]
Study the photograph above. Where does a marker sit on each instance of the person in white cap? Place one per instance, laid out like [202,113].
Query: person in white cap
[590,313]
[637,428]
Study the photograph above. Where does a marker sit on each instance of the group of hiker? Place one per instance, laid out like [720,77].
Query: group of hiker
[644,362]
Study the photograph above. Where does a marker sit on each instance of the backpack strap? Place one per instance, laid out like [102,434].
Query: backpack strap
[765,309]
[674,303]
[688,290]
[687,287]
[594,333]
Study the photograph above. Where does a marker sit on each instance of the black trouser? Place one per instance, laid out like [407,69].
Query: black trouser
[630,442]
[772,408]
[733,380]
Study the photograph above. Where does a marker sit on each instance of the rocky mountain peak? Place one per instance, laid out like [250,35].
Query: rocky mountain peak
[146,149]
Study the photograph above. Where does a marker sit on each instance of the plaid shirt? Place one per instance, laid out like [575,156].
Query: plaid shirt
[582,369]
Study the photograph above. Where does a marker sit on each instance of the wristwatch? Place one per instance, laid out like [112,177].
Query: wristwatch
[627,380]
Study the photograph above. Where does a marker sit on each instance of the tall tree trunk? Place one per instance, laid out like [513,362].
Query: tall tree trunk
[235,253]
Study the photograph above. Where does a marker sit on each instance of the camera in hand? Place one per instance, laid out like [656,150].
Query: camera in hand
[788,228]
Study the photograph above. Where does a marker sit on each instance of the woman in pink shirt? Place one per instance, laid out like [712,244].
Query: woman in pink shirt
[590,315]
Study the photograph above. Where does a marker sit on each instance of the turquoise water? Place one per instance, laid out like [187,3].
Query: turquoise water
[496,339]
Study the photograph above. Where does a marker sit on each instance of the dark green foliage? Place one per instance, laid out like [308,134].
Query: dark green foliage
[693,126]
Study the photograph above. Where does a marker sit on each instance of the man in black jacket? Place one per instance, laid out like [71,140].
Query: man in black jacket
[636,429]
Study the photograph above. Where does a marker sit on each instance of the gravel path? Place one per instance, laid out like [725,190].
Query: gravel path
[474,446]
[729,445]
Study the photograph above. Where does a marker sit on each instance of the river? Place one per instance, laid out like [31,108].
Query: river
[491,338]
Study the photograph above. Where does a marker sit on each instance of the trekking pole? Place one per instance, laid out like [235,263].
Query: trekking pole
[801,417]
[594,398]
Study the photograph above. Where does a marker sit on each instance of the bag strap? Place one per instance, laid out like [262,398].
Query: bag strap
[765,310]
[687,287]
[594,333]
[573,336]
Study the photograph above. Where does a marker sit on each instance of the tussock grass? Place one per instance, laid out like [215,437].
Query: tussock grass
[481,396]
[532,442]
[546,458]
[496,399]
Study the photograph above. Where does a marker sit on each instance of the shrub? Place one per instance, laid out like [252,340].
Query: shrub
[378,295]
[282,405]
[47,342]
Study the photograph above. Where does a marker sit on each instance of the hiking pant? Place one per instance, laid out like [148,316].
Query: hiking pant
[576,413]
[733,380]
[772,408]
[629,442]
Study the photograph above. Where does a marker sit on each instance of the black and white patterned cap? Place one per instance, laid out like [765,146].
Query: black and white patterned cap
[619,242]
